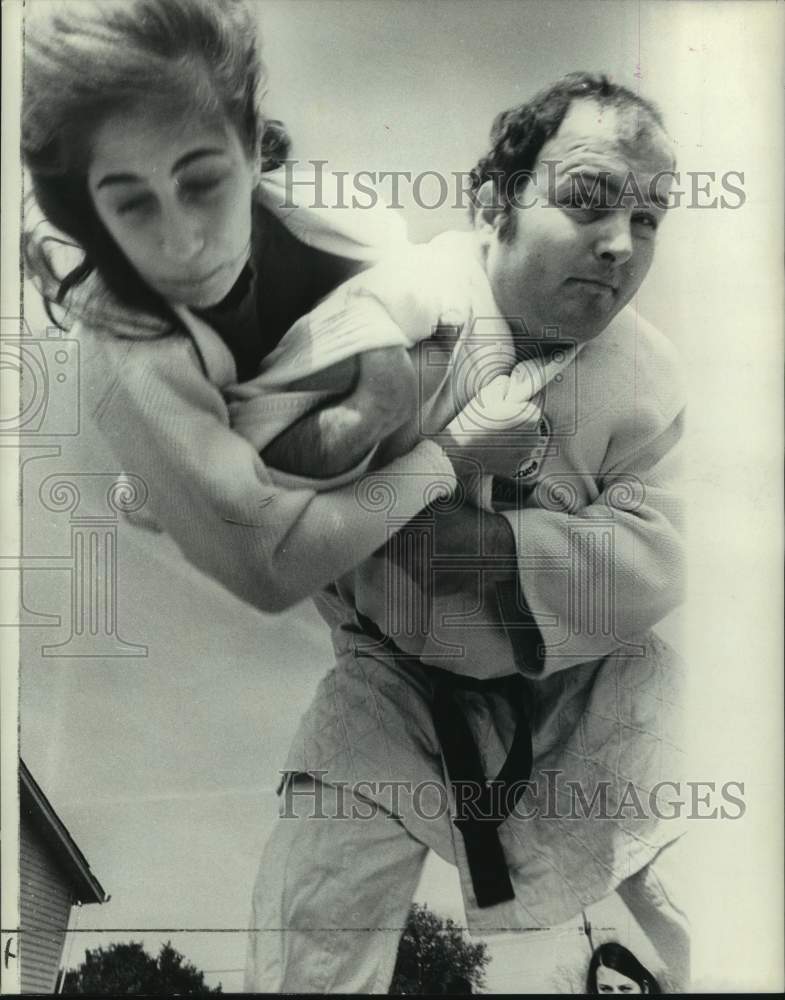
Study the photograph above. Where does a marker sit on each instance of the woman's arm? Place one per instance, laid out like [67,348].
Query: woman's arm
[358,348]
[336,437]
[210,490]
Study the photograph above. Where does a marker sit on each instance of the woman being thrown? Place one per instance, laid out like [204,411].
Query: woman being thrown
[143,137]
[144,140]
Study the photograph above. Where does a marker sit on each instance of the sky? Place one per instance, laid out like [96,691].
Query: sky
[163,765]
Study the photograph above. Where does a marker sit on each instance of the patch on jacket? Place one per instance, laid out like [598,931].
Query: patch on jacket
[511,492]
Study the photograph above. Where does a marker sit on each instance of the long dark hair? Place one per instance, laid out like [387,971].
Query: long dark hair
[615,956]
[87,59]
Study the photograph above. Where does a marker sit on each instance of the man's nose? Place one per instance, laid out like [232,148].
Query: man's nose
[181,234]
[614,240]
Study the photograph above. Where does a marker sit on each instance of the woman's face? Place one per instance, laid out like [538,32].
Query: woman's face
[611,981]
[175,194]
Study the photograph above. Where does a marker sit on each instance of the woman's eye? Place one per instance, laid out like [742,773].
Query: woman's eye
[200,187]
[139,203]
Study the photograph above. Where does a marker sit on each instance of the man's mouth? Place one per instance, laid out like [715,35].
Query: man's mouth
[601,284]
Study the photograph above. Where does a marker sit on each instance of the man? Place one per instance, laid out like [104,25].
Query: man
[580,559]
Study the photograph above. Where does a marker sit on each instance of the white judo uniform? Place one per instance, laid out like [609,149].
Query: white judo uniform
[597,516]
[599,555]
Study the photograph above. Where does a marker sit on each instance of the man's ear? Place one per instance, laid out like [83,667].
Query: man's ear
[489,209]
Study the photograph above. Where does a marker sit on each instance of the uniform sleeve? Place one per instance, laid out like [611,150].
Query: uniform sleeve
[209,489]
[593,580]
[386,306]
[399,302]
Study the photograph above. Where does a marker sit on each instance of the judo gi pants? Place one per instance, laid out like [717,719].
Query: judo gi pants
[332,897]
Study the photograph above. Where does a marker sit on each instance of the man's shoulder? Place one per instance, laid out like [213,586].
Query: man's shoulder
[643,339]
[639,362]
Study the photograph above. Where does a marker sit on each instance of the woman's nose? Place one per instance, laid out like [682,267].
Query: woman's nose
[181,234]
[614,240]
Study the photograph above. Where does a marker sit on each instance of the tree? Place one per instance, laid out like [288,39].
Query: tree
[122,969]
[434,956]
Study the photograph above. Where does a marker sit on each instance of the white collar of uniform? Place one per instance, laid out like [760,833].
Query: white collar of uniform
[216,357]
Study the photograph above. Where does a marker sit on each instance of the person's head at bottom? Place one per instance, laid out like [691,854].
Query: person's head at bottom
[614,969]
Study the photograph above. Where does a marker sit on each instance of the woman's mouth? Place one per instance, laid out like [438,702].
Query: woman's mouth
[191,282]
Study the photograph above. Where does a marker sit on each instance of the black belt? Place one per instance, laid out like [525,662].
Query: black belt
[490,801]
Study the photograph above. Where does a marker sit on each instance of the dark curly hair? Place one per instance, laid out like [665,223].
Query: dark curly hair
[615,956]
[84,60]
[518,134]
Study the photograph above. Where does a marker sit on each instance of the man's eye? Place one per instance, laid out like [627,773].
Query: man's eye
[582,210]
[583,206]
[586,193]
[575,199]
[589,199]
[579,201]
[645,219]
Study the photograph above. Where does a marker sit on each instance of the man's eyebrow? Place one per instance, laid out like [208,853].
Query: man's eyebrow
[605,177]
[184,161]
[614,184]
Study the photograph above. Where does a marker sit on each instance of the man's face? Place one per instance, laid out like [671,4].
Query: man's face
[584,228]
